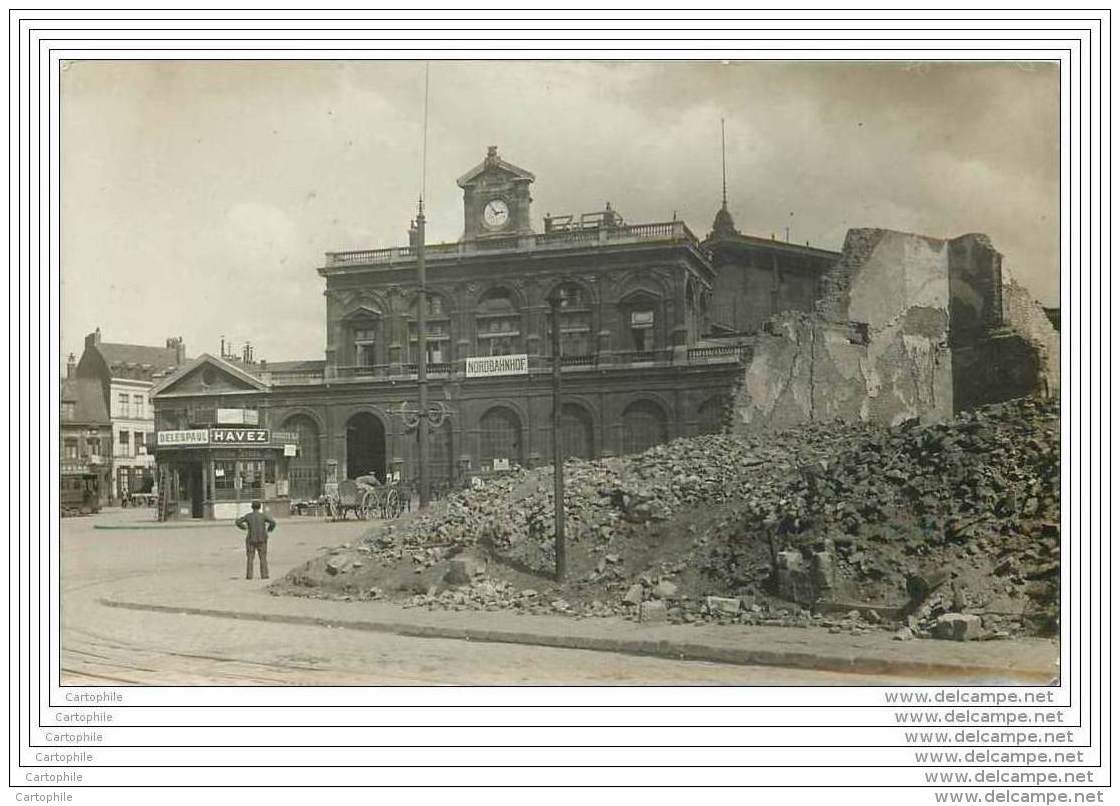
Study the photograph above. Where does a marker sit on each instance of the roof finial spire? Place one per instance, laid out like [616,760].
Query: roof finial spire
[723,151]
[724,225]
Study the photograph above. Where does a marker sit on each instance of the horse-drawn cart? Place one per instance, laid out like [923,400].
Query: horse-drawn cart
[365,496]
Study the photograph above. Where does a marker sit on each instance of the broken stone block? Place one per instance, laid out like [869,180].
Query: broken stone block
[958,627]
[462,569]
[824,569]
[791,560]
[634,595]
[665,590]
[903,634]
[722,605]
[653,611]
[334,566]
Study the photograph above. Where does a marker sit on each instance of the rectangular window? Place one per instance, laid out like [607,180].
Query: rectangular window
[123,448]
[138,443]
[93,444]
[122,404]
[138,406]
[365,341]
[70,448]
[225,488]
[68,411]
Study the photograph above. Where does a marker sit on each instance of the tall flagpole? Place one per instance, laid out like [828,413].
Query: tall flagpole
[723,151]
[421,317]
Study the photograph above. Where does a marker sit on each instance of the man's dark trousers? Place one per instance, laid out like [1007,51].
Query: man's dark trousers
[261,550]
[258,524]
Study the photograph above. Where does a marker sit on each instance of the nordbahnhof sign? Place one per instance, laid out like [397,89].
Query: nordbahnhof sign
[489,366]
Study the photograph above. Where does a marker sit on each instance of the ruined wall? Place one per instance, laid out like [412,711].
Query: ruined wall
[805,368]
[906,326]
[1026,317]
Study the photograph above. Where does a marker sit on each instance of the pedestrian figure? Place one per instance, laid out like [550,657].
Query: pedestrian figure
[258,524]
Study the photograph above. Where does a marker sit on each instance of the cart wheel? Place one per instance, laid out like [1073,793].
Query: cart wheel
[364,507]
[392,506]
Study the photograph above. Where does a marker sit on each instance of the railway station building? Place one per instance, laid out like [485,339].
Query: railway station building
[654,325]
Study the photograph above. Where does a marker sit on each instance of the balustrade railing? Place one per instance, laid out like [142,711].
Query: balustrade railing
[642,356]
[590,360]
[730,352]
[435,368]
[714,354]
[660,231]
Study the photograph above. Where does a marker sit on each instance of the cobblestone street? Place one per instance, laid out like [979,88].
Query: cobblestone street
[103,645]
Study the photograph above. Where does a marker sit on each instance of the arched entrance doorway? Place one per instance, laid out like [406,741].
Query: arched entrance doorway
[501,436]
[305,481]
[365,446]
[576,432]
[643,426]
[709,418]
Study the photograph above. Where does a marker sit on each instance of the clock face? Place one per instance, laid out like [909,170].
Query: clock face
[495,214]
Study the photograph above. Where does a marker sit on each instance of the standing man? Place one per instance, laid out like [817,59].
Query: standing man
[259,524]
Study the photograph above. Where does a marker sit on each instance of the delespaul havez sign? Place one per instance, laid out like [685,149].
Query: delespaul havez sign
[193,436]
[213,436]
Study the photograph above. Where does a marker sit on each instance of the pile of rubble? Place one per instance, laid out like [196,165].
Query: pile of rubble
[945,530]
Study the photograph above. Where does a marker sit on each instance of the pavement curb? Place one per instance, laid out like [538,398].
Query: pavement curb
[155,526]
[676,650]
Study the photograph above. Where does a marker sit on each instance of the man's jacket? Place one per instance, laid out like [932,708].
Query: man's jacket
[259,525]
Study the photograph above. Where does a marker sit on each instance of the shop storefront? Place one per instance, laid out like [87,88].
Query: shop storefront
[216,473]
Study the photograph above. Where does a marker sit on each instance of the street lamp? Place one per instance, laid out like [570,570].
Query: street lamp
[557,300]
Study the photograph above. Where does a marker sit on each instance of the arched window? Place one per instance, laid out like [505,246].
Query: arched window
[498,323]
[437,327]
[576,338]
[643,426]
[576,432]
[501,437]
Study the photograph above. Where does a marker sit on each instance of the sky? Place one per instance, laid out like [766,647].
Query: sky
[198,198]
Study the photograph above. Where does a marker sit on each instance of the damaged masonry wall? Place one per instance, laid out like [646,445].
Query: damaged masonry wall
[906,326]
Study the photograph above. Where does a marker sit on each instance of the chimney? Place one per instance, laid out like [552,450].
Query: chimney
[176,343]
[94,338]
[70,365]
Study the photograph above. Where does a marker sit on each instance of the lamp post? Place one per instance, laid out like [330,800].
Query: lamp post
[556,300]
[422,358]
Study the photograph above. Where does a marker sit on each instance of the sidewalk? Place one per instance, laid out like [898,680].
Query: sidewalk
[1025,661]
[144,518]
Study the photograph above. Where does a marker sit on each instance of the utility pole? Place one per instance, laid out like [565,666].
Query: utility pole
[421,319]
[555,301]
[422,357]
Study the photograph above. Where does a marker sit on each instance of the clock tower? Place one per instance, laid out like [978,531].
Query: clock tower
[495,199]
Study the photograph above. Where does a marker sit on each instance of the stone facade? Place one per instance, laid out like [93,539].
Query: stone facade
[638,366]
